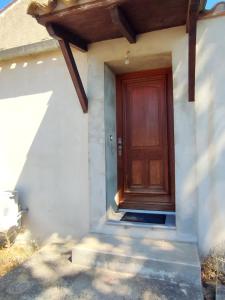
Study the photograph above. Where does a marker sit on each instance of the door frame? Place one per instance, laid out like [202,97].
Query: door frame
[120,79]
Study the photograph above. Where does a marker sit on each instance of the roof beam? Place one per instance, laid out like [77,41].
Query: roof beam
[71,64]
[60,33]
[191,66]
[120,20]
[193,11]
[191,27]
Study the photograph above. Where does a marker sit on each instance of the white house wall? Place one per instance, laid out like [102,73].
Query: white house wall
[43,144]
[210,132]
[54,155]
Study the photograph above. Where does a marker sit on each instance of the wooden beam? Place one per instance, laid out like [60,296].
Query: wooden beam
[191,65]
[193,11]
[120,20]
[68,56]
[60,33]
[191,27]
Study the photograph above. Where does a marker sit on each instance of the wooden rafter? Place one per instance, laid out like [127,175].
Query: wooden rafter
[66,38]
[67,23]
[191,27]
[124,26]
[71,64]
[58,32]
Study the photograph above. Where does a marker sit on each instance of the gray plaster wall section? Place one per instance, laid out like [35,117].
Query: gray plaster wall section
[96,142]
[110,138]
[31,49]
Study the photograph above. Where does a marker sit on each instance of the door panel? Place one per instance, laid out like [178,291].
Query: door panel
[137,178]
[145,164]
[143,134]
[155,173]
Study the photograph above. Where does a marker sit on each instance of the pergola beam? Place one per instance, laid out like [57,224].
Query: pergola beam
[124,26]
[71,64]
[191,28]
[191,65]
[60,33]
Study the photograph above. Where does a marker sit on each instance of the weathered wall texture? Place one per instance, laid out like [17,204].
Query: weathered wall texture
[110,138]
[43,144]
[210,132]
[17,28]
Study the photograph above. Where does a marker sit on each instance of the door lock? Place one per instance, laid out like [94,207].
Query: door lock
[119,146]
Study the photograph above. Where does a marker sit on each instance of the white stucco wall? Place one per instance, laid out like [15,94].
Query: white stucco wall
[210,132]
[43,144]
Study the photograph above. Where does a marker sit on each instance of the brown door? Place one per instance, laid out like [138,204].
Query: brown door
[145,140]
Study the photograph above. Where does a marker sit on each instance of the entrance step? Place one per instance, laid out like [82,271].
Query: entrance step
[165,260]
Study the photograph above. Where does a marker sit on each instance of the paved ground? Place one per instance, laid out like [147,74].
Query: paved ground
[50,275]
[220,292]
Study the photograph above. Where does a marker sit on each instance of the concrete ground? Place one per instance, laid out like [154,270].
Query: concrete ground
[49,274]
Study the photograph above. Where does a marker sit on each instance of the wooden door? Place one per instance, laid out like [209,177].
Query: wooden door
[145,144]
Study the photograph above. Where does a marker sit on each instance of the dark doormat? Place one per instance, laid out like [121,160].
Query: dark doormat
[144,218]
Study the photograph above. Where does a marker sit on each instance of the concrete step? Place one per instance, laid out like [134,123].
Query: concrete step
[138,230]
[174,261]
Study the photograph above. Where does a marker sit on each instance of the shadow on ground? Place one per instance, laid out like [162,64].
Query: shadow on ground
[49,274]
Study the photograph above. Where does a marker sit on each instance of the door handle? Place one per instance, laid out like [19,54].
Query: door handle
[119,146]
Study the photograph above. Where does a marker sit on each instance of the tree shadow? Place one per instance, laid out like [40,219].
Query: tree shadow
[49,274]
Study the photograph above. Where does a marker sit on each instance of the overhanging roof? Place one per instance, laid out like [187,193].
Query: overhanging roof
[92,20]
[81,22]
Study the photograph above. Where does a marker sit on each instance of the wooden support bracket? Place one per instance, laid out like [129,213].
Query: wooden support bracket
[191,28]
[120,20]
[68,56]
[60,33]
